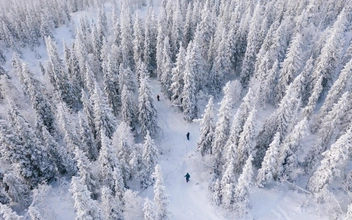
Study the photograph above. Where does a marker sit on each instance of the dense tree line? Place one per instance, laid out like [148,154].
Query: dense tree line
[293,57]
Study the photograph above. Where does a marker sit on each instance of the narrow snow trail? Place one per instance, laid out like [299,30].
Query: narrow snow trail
[187,200]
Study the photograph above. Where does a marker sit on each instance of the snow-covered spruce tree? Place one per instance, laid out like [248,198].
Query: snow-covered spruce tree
[165,77]
[17,189]
[246,142]
[103,116]
[110,168]
[148,209]
[216,190]
[128,108]
[328,131]
[223,125]
[333,163]
[160,197]
[287,165]
[150,41]
[111,83]
[87,173]
[327,62]
[240,119]
[150,157]
[35,164]
[38,100]
[88,111]
[339,87]
[228,181]
[123,142]
[205,140]
[253,45]
[313,99]
[126,35]
[87,138]
[291,66]
[35,214]
[278,121]
[59,76]
[7,214]
[133,205]
[177,28]
[222,67]
[243,190]
[189,93]
[177,77]
[138,39]
[349,212]
[59,154]
[147,114]
[86,208]
[111,208]
[268,171]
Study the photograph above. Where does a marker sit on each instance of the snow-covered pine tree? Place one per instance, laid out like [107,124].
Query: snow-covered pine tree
[177,77]
[35,164]
[38,100]
[123,142]
[189,93]
[207,127]
[333,163]
[291,66]
[222,67]
[253,45]
[138,39]
[109,166]
[331,53]
[86,208]
[268,171]
[7,214]
[223,125]
[110,206]
[340,86]
[246,142]
[287,164]
[239,119]
[147,114]
[59,154]
[160,197]
[151,46]
[328,131]
[17,189]
[111,82]
[87,173]
[148,209]
[128,108]
[126,36]
[243,190]
[150,157]
[87,138]
[59,76]
[103,116]
[349,212]
[166,67]
[228,184]
[279,121]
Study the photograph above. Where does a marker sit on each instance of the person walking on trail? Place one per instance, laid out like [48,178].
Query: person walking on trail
[187,135]
[158,97]
[187,177]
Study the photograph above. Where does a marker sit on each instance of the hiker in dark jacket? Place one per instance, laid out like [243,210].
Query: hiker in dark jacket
[187,177]
[187,135]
